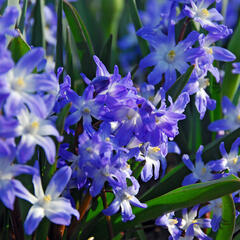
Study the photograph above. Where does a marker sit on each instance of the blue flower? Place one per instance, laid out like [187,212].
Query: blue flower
[171,222]
[215,207]
[124,197]
[7,20]
[200,13]
[167,56]
[229,161]
[231,119]
[57,209]
[19,85]
[200,171]
[236,69]
[33,131]
[8,171]
[192,226]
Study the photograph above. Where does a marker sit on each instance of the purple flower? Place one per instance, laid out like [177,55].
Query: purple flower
[167,56]
[231,119]
[171,222]
[192,226]
[229,161]
[7,20]
[215,207]
[20,85]
[57,209]
[200,13]
[236,69]
[200,171]
[33,130]
[124,197]
[8,170]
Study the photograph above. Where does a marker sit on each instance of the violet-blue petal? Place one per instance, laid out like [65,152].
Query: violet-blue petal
[222,54]
[7,194]
[59,182]
[34,217]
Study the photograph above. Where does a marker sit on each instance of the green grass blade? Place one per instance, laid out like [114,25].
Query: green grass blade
[23,15]
[82,39]
[18,47]
[38,36]
[59,47]
[228,219]
[138,24]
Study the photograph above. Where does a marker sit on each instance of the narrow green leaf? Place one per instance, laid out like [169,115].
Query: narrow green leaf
[18,47]
[231,81]
[82,39]
[182,197]
[138,24]
[59,47]
[60,122]
[176,89]
[105,55]
[23,15]
[227,225]
[38,38]
[174,178]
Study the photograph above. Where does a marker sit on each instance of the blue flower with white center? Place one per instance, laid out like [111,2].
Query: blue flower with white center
[231,119]
[167,56]
[33,131]
[212,53]
[171,222]
[7,20]
[124,197]
[84,107]
[20,85]
[229,161]
[197,84]
[153,158]
[215,207]
[200,13]
[192,226]
[200,171]
[57,209]
[8,171]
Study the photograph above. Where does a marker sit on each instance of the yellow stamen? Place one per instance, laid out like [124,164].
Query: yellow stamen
[171,55]
[194,221]
[47,198]
[209,51]
[156,149]
[20,82]
[235,160]
[204,12]
[173,221]
[86,110]
[89,149]
[35,125]
[107,139]
[204,170]
[238,117]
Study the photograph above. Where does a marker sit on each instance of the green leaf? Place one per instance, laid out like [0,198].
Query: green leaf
[18,47]
[82,39]
[23,15]
[174,178]
[180,198]
[38,38]
[231,81]
[138,24]
[227,225]
[176,89]
[59,47]
[105,55]
[60,122]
